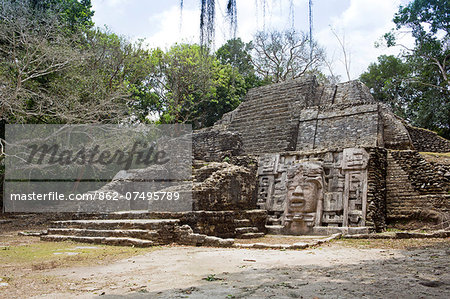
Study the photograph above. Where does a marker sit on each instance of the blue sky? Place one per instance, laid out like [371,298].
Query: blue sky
[361,22]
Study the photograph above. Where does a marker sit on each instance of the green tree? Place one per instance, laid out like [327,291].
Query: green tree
[50,76]
[429,23]
[54,69]
[75,14]
[194,87]
[238,54]
[423,105]
[386,80]
[417,83]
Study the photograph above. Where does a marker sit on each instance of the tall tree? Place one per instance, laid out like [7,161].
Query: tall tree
[280,56]
[194,87]
[386,80]
[417,83]
[429,23]
[51,76]
[74,14]
[238,54]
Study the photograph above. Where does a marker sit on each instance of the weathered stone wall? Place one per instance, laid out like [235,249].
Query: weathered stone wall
[319,122]
[426,178]
[376,189]
[301,115]
[337,127]
[221,193]
[214,144]
[265,119]
[223,224]
[428,141]
[220,186]
[352,92]
[416,189]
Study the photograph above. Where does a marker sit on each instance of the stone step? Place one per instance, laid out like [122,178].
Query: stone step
[254,122]
[397,176]
[397,189]
[121,233]
[136,214]
[398,170]
[406,201]
[401,196]
[275,109]
[250,236]
[266,129]
[100,240]
[261,100]
[266,145]
[149,224]
[244,230]
[397,179]
[253,111]
[242,222]
[256,132]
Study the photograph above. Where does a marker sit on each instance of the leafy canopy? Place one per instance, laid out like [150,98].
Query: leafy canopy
[416,84]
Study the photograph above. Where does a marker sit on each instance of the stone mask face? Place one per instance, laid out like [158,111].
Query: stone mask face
[303,195]
[304,188]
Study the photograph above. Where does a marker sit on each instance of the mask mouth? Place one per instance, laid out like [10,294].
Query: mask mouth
[297,203]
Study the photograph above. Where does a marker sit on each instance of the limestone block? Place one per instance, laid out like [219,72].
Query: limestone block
[354,158]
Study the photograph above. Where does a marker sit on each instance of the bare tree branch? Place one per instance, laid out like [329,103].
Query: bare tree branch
[346,55]
[284,55]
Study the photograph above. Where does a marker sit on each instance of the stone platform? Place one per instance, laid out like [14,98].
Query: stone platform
[134,232]
[144,229]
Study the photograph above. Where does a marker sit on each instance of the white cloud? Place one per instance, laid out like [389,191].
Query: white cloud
[166,24]
[362,21]
[168,31]
[252,18]
[362,24]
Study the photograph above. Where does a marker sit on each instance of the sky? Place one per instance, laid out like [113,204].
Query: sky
[358,23]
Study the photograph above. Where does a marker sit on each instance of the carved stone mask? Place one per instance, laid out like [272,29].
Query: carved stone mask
[305,187]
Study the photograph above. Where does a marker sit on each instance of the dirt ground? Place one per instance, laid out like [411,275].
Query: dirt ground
[341,269]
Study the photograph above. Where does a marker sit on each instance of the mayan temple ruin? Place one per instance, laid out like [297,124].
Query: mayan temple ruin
[294,158]
[229,149]
[332,158]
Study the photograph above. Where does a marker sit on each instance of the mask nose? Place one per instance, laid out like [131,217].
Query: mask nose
[298,191]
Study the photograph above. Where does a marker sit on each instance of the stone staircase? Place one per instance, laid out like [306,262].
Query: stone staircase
[401,196]
[144,229]
[244,230]
[266,125]
[408,199]
[124,232]
[425,177]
